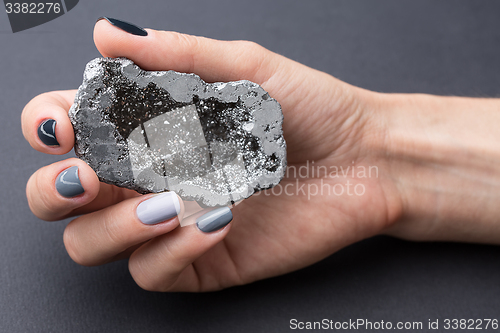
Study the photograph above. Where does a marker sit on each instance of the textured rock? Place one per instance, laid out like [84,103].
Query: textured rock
[155,131]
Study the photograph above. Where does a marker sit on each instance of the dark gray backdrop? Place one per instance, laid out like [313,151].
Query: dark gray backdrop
[439,47]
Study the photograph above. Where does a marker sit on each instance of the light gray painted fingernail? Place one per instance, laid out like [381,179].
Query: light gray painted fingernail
[68,183]
[214,220]
[159,208]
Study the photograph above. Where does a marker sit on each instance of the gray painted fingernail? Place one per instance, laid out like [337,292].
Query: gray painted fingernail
[215,219]
[159,208]
[68,183]
[47,132]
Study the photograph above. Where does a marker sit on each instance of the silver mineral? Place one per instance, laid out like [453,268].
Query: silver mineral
[154,131]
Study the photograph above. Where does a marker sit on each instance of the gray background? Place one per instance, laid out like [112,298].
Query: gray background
[439,47]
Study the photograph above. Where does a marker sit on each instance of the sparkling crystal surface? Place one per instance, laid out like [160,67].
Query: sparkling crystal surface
[214,143]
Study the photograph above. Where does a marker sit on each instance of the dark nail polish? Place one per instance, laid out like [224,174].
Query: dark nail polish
[125,26]
[215,219]
[68,183]
[47,132]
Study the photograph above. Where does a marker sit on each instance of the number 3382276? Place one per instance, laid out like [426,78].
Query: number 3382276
[32,8]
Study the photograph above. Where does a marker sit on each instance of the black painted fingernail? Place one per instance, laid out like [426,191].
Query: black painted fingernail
[68,183]
[125,26]
[215,219]
[47,132]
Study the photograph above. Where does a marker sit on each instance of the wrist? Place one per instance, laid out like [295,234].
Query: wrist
[442,156]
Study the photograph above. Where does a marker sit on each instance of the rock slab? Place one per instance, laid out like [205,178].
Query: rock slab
[152,131]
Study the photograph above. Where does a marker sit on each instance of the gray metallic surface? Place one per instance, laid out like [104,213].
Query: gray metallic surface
[157,131]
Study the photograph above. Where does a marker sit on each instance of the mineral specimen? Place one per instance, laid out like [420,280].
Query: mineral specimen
[214,143]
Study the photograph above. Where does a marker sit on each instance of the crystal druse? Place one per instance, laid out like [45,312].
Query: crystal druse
[154,131]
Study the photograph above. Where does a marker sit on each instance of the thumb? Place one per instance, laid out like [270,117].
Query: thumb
[212,60]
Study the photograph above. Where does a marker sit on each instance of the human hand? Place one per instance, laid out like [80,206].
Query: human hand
[327,123]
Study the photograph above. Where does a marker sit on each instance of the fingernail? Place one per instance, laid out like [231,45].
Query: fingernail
[47,132]
[215,219]
[125,26]
[159,208]
[68,183]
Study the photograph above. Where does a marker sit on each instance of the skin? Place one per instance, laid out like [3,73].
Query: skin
[435,158]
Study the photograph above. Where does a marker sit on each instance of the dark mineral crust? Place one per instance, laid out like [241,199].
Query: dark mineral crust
[155,131]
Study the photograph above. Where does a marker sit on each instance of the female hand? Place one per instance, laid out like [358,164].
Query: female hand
[328,125]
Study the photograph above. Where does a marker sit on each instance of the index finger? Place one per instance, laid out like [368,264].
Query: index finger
[45,122]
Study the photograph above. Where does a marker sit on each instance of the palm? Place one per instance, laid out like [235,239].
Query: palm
[276,233]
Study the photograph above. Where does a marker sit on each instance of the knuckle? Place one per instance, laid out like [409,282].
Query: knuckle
[71,244]
[34,102]
[48,205]
[41,202]
[147,285]
[142,278]
[187,42]
[29,195]
[252,57]
[27,114]
[250,48]
[46,197]
[188,46]
[113,231]
[250,45]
